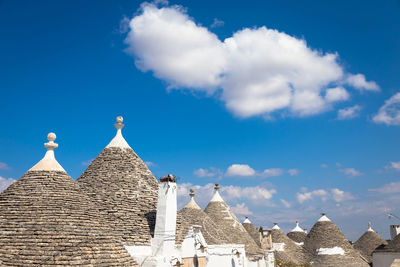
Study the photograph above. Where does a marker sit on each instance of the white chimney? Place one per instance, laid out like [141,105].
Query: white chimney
[163,242]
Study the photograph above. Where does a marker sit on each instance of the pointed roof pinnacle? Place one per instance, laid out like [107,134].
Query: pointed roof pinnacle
[276,227]
[324,218]
[217,197]
[246,220]
[192,203]
[298,228]
[49,162]
[370,227]
[119,140]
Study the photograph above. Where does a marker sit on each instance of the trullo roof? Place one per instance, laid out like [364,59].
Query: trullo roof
[252,230]
[47,220]
[329,246]
[368,242]
[226,220]
[297,234]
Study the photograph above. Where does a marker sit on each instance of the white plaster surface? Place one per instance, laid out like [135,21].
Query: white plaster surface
[299,243]
[119,140]
[330,251]
[192,204]
[276,227]
[324,219]
[297,228]
[217,197]
[384,259]
[278,246]
[247,220]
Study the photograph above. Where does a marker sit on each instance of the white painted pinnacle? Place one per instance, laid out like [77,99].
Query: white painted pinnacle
[119,140]
[246,220]
[370,227]
[192,203]
[276,227]
[297,228]
[49,162]
[324,218]
[217,197]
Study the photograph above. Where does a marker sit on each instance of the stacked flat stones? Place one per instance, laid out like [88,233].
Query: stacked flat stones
[393,246]
[325,234]
[47,220]
[124,190]
[194,215]
[368,242]
[288,252]
[252,231]
[226,221]
[297,234]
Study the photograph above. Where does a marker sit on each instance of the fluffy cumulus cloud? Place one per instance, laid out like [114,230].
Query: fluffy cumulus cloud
[351,172]
[349,112]
[240,170]
[304,196]
[389,113]
[394,165]
[340,195]
[210,172]
[272,172]
[5,182]
[335,194]
[241,209]
[256,71]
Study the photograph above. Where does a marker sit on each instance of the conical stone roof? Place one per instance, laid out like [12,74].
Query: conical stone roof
[285,249]
[124,189]
[393,246]
[368,242]
[47,220]
[226,220]
[297,234]
[194,215]
[252,231]
[330,248]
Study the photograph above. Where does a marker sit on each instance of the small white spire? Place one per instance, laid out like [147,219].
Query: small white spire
[276,227]
[217,197]
[324,218]
[49,162]
[246,220]
[297,228]
[119,140]
[192,203]
[370,227]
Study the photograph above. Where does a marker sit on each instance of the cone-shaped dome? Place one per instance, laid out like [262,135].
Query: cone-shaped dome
[194,215]
[330,247]
[285,249]
[122,186]
[297,234]
[226,220]
[368,242]
[393,246]
[46,220]
[252,230]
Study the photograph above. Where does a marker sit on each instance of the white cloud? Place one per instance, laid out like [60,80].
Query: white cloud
[285,203]
[321,193]
[351,172]
[340,196]
[336,94]
[323,165]
[217,23]
[5,182]
[241,209]
[211,172]
[293,172]
[272,172]
[349,112]
[388,188]
[3,166]
[358,81]
[394,165]
[240,170]
[389,113]
[87,162]
[258,71]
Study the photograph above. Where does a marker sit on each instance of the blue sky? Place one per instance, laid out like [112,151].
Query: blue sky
[238,95]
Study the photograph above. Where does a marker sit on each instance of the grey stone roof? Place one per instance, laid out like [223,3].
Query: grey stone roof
[253,232]
[291,252]
[125,191]
[297,236]
[393,246]
[325,234]
[367,243]
[194,215]
[47,220]
[226,221]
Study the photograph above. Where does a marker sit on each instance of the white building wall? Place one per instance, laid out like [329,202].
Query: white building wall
[384,259]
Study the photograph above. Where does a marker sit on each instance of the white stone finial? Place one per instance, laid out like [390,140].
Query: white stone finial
[246,220]
[119,140]
[217,197]
[370,227]
[192,203]
[49,162]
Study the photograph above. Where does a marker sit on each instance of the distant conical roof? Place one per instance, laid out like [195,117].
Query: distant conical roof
[125,190]
[393,246]
[329,246]
[226,220]
[297,234]
[285,249]
[194,215]
[368,242]
[46,220]
[252,230]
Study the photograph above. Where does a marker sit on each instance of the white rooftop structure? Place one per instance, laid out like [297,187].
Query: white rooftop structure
[276,227]
[119,140]
[192,203]
[246,220]
[324,218]
[49,162]
[217,197]
[298,228]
